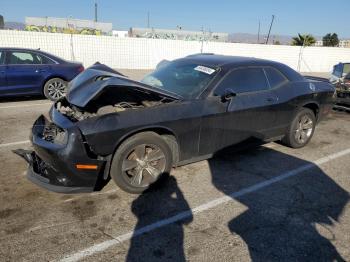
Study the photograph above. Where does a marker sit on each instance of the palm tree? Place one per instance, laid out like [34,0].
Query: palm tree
[303,40]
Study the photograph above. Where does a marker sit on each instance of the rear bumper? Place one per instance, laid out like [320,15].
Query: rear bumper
[53,166]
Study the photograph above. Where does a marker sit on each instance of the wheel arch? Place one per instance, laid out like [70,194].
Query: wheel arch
[314,107]
[166,133]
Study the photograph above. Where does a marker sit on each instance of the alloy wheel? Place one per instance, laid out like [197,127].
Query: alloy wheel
[143,165]
[304,129]
[56,89]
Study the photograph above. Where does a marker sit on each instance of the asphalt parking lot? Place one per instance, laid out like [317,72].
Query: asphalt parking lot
[268,203]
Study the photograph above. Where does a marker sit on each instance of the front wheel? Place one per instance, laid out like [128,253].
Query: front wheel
[55,89]
[301,129]
[140,161]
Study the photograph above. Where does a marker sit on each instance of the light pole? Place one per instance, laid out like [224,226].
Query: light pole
[148,20]
[95,11]
[268,35]
[259,33]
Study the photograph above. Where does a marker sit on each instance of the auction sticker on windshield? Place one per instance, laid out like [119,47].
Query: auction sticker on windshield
[205,69]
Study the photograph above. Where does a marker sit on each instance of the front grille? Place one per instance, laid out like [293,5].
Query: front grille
[54,134]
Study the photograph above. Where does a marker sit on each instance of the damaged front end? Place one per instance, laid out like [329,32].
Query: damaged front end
[62,159]
[57,153]
[343,96]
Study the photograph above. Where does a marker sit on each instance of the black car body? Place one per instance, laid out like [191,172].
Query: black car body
[243,98]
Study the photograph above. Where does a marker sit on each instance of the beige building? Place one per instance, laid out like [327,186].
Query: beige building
[344,43]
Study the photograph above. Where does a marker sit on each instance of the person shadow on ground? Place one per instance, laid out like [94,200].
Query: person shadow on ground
[164,243]
[291,220]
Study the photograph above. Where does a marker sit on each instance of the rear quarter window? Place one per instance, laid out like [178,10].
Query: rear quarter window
[45,60]
[275,77]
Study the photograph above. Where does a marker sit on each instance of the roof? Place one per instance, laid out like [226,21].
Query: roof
[229,62]
[223,60]
[18,48]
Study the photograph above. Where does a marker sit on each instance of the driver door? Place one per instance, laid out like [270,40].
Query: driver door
[250,113]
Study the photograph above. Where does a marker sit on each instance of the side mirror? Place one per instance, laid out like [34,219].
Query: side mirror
[228,95]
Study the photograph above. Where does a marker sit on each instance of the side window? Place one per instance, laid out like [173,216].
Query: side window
[337,71]
[2,57]
[22,58]
[346,69]
[243,80]
[275,77]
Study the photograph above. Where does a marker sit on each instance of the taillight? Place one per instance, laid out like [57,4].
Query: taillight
[80,69]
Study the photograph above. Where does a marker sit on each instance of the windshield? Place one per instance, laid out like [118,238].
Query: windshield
[186,79]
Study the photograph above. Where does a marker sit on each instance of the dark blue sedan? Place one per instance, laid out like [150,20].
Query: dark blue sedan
[34,72]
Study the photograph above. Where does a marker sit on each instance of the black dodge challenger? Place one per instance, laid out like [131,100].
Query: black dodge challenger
[109,126]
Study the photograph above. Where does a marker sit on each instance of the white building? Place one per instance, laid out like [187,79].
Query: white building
[319,43]
[120,34]
[178,34]
[344,43]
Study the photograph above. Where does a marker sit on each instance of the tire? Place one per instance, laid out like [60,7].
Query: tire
[298,135]
[55,89]
[133,169]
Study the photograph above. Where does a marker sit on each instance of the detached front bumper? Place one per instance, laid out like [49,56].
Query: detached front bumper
[55,166]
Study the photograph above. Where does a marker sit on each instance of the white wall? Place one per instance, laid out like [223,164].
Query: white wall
[140,53]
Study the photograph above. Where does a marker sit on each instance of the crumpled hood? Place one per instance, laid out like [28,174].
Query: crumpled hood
[91,83]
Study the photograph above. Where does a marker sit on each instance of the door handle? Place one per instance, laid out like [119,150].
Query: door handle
[270,99]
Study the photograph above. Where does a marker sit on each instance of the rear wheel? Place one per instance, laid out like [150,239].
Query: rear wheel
[140,161]
[55,89]
[301,129]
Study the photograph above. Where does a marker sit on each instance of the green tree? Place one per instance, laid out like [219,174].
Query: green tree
[277,42]
[303,40]
[330,39]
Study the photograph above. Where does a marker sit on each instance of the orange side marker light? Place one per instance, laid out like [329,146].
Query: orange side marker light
[81,166]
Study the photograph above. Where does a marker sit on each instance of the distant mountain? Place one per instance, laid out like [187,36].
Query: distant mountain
[14,25]
[253,38]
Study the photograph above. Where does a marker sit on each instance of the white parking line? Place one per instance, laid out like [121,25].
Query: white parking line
[23,105]
[211,204]
[14,143]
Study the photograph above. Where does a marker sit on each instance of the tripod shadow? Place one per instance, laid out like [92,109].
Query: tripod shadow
[284,220]
[160,244]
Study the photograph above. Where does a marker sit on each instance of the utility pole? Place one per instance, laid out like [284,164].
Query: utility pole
[259,33]
[268,36]
[202,40]
[95,11]
[148,20]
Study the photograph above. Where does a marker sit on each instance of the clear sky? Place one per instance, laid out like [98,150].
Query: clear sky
[317,17]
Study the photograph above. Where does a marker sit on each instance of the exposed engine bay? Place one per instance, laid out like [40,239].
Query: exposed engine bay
[75,113]
[100,90]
